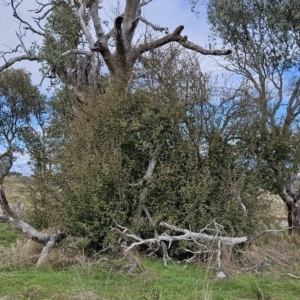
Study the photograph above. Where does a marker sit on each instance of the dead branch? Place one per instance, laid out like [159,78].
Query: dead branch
[155,27]
[142,197]
[268,231]
[176,36]
[13,60]
[80,15]
[186,236]
[291,275]
[149,172]
[43,5]
[161,241]
[44,14]
[27,26]
[5,170]
[53,239]
[12,216]
[145,2]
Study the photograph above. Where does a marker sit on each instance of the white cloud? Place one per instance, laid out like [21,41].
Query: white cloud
[21,164]
[166,13]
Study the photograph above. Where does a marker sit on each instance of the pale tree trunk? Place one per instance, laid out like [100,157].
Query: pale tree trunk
[143,182]
[114,46]
[291,199]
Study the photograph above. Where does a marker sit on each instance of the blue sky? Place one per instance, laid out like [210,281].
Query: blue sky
[166,13]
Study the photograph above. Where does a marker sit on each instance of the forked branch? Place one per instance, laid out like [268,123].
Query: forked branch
[187,235]
[11,216]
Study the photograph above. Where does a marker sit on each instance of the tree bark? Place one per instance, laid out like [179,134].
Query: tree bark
[49,240]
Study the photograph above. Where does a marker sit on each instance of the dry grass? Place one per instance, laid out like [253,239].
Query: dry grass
[15,188]
[23,253]
[276,253]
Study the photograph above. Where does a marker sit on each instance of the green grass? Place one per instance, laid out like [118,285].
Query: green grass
[8,235]
[110,281]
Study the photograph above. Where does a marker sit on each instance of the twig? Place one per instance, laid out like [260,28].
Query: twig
[291,275]
[270,230]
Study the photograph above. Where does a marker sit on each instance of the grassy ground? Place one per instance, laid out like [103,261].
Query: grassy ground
[109,281]
[8,235]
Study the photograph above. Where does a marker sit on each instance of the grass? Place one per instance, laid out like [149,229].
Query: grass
[109,280]
[15,189]
[8,235]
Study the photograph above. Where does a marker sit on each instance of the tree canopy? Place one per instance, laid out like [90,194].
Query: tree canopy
[153,139]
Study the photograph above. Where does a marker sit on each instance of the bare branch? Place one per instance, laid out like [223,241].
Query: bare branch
[44,15]
[155,27]
[43,5]
[149,172]
[291,275]
[17,16]
[4,218]
[175,37]
[286,197]
[145,2]
[189,45]
[12,216]
[270,230]
[16,59]
[96,20]
[142,197]
[188,235]
[22,43]
[53,239]
[15,50]
[5,170]
[80,15]
[76,51]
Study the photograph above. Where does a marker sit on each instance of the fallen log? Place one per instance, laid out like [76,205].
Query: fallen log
[12,216]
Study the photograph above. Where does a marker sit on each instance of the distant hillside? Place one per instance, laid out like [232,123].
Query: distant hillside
[15,188]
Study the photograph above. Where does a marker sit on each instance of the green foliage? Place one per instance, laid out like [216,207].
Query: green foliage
[264,37]
[107,145]
[18,101]
[62,33]
[241,24]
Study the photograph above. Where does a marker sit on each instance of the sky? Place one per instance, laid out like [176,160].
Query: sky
[166,13]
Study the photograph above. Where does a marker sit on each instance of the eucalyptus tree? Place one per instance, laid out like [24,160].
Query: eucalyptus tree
[76,44]
[20,102]
[264,38]
[122,132]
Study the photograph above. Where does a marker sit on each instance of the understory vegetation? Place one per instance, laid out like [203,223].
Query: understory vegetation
[258,272]
[138,153]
